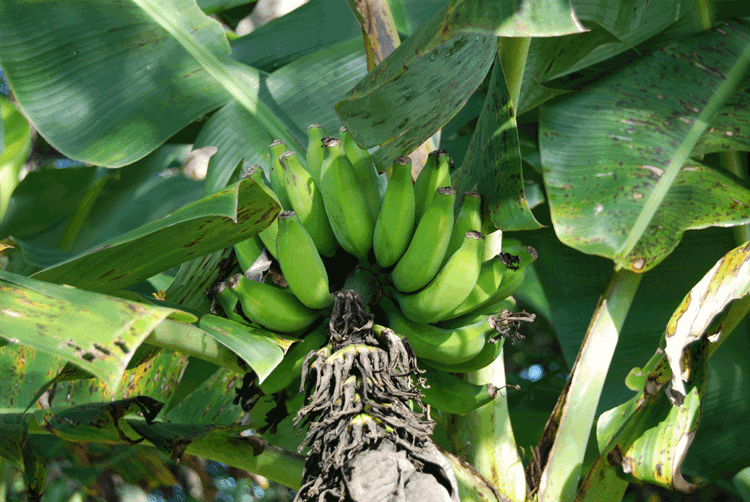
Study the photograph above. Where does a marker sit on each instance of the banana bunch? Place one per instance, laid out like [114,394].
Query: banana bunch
[445,287]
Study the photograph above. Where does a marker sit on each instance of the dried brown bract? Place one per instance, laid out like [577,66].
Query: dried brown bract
[364,437]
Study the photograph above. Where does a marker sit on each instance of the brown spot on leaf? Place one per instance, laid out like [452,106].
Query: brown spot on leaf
[638,265]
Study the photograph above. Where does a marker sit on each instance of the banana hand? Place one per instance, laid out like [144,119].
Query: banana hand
[498,279]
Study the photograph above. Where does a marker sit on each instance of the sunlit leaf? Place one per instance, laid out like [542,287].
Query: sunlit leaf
[95,332]
[396,105]
[15,143]
[728,280]
[492,165]
[115,79]
[293,36]
[615,155]
[626,434]
[210,224]
[306,89]
[262,350]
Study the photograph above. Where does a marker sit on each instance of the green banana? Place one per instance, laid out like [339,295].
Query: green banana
[507,303]
[269,234]
[489,280]
[273,308]
[364,170]
[307,201]
[449,346]
[276,173]
[315,154]
[454,395]
[498,279]
[491,349]
[345,204]
[450,286]
[248,251]
[301,264]
[487,356]
[291,366]
[517,258]
[395,224]
[425,253]
[434,174]
[469,218]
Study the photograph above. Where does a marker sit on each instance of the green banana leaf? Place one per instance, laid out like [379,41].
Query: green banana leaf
[196,373]
[51,207]
[189,286]
[117,79]
[15,143]
[25,258]
[146,191]
[210,224]
[492,166]
[100,338]
[97,422]
[139,465]
[293,36]
[396,105]
[46,197]
[616,155]
[27,370]
[21,450]
[626,434]
[727,281]
[570,289]
[307,89]
[615,28]
[114,422]
[262,350]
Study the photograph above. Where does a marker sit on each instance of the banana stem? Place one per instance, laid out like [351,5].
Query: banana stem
[487,430]
[576,408]
[364,282]
[378,29]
